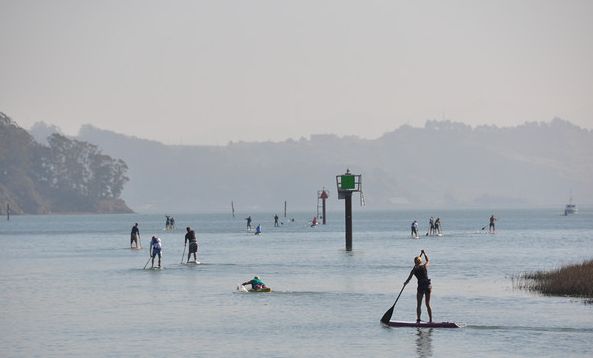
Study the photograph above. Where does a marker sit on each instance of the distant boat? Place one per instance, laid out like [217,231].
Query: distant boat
[570,208]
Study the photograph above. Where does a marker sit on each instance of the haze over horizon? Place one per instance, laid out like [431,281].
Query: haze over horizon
[208,73]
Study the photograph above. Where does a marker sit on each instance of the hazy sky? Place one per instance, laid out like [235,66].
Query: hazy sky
[208,72]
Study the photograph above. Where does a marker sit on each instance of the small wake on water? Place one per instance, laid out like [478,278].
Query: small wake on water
[530,328]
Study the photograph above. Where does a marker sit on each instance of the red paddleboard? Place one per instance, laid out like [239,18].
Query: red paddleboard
[423,324]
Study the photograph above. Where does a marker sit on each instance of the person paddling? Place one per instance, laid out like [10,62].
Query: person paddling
[258,229]
[414,228]
[491,226]
[135,237]
[155,249]
[424,284]
[437,226]
[193,244]
[256,283]
[248,222]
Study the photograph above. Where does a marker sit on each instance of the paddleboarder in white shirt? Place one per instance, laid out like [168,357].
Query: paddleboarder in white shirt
[155,249]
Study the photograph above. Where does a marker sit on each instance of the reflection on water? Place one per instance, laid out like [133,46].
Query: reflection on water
[424,343]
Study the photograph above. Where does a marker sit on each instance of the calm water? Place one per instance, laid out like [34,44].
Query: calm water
[72,287]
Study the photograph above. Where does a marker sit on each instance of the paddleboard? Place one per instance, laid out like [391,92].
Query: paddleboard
[193,262]
[242,288]
[439,234]
[423,324]
[156,268]
[267,289]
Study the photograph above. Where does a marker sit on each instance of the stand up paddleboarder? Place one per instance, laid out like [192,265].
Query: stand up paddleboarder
[491,226]
[135,237]
[424,285]
[193,244]
[437,226]
[155,249]
[414,228]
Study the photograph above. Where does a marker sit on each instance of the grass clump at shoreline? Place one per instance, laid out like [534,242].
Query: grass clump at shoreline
[572,280]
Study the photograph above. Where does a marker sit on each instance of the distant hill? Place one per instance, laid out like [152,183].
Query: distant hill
[443,165]
[63,176]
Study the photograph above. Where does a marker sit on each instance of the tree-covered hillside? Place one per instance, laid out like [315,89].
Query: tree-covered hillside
[66,176]
[442,165]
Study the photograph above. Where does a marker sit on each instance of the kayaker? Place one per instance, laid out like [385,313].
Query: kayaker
[424,284]
[314,221]
[155,249]
[256,283]
[193,243]
[135,237]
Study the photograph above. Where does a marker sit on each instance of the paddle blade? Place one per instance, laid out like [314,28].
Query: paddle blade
[387,316]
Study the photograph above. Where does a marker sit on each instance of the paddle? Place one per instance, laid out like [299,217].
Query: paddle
[146,264]
[183,254]
[387,316]
[484,227]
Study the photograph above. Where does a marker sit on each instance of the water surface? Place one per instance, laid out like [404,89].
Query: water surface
[72,287]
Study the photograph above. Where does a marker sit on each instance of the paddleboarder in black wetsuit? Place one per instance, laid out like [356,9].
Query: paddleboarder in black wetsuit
[437,226]
[193,244]
[414,229]
[135,237]
[424,285]
[491,226]
[248,222]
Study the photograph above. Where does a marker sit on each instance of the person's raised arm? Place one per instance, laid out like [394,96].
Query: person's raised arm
[426,257]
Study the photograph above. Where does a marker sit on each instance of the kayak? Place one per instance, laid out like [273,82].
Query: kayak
[423,324]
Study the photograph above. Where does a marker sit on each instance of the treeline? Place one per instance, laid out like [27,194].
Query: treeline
[65,176]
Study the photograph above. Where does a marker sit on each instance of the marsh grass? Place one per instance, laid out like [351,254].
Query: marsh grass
[572,280]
